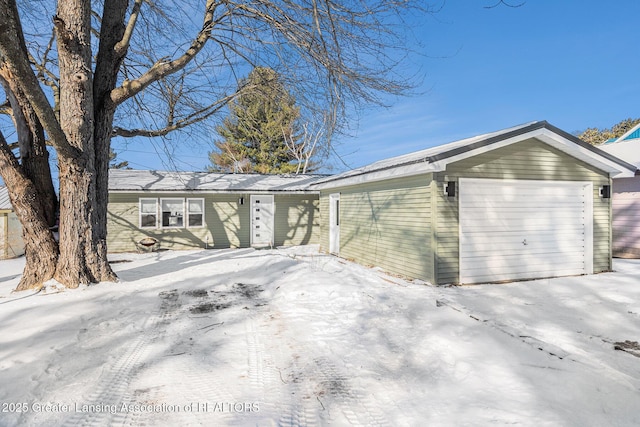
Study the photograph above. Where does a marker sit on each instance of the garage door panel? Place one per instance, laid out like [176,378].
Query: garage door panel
[517,249]
[523,229]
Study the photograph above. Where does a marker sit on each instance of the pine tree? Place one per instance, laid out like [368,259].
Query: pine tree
[260,134]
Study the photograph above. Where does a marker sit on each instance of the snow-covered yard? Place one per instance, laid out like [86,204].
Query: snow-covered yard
[290,337]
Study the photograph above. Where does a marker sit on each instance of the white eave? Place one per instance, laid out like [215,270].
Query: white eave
[436,159]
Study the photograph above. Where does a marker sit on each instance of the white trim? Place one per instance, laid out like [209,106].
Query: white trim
[140,199]
[587,189]
[161,210]
[626,134]
[271,224]
[239,192]
[334,223]
[186,207]
[545,135]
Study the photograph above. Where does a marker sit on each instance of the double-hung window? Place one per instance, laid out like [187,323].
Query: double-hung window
[171,213]
[148,213]
[195,212]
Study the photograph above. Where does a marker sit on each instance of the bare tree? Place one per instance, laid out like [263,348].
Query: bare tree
[146,68]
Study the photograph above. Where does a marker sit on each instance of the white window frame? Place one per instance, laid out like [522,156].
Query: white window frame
[162,212]
[188,213]
[140,213]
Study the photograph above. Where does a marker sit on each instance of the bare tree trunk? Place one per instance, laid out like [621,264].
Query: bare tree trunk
[79,261]
[109,59]
[34,156]
[41,250]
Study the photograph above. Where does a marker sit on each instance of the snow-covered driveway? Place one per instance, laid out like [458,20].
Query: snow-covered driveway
[290,337]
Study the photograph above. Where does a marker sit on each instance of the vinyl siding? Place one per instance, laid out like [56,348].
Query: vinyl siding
[297,220]
[11,242]
[531,160]
[626,217]
[227,222]
[324,222]
[386,224]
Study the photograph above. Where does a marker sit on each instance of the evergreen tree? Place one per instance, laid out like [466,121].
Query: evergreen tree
[260,134]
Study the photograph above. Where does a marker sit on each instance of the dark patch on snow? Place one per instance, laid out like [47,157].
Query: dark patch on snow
[631,347]
[247,290]
[208,307]
[198,293]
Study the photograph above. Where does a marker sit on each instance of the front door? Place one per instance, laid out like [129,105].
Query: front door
[334,223]
[262,216]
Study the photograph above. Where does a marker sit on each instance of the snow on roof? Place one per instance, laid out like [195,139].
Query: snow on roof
[422,155]
[431,156]
[627,150]
[5,203]
[146,180]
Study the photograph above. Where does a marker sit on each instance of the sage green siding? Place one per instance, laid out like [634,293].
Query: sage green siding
[530,160]
[386,224]
[297,220]
[11,242]
[227,222]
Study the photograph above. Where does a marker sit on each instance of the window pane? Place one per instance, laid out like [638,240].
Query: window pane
[147,220]
[172,212]
[196,206]
[148,206]
[195,220]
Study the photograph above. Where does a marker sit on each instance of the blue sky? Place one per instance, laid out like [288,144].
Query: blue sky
[572,63]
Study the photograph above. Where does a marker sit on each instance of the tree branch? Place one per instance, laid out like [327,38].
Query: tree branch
[189,120]
[123,45]
[164,68]
[14,50]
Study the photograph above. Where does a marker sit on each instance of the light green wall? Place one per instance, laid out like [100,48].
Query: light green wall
[11,242]
[408,226]
[385,224]
[531,160]
[227,223]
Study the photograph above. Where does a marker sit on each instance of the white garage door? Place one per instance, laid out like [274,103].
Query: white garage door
[519,229]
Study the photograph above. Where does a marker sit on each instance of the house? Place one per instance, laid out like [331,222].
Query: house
[626,196]
[187,210]
[11,243]
[525,202]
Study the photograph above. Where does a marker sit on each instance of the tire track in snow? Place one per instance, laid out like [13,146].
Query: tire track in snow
[112,390]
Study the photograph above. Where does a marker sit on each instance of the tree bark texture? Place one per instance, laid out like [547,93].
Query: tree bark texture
[34,156]
[41,250]
[78,263]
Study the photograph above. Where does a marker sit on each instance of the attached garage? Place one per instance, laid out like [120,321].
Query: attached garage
[526,202]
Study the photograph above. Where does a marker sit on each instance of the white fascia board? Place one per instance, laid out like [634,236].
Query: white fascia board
[545,135]
[203,192]
[400,171]
[594,159]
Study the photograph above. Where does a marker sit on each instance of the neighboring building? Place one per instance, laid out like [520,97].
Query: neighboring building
[521,203]
[186,210]
[626,196]
[11,243]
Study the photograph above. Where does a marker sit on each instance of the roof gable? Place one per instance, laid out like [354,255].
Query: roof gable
[436,159]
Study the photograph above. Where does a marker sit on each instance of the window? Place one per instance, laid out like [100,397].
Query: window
[195,212]
[172,212]
[148,213]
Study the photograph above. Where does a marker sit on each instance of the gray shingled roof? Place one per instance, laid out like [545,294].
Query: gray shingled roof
[145,180]
[5,203]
